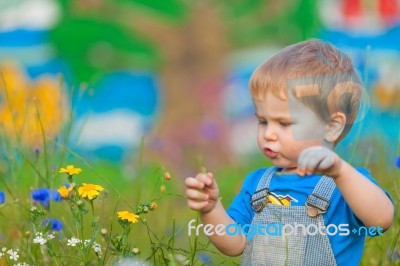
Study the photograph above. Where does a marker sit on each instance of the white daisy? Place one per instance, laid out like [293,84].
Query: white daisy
[73,241]
[50,236]
[13,254]
[39,240]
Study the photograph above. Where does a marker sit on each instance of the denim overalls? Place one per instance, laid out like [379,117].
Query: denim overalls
[307,246]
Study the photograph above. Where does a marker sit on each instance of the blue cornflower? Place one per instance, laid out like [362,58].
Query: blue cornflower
[56,225]
[205,258]
[398,162]
[2,197]
[55,195]
[44,195]
[41,195]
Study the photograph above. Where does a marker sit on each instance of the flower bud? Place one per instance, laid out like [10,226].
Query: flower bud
[153,206]
[167,176]
[135,250]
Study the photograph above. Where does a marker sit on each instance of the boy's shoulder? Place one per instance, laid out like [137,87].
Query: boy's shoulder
[253,178]
[256,174]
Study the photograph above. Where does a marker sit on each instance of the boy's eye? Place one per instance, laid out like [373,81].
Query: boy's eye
[285,124]
[261,122]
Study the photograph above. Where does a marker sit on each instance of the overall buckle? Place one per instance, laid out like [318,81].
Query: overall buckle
[260,202]
[314,209]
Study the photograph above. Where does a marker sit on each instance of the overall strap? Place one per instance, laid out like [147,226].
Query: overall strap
[318,201]
[260,198]
[265,180]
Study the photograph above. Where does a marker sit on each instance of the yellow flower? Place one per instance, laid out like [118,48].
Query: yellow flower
[33,108]
[64,191]
[153,206]
[162,189]
[130,217]
[90,191]
[71,170]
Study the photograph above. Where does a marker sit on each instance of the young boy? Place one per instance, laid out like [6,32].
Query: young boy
[312,207]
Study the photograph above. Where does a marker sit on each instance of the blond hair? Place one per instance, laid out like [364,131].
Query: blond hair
[316,73]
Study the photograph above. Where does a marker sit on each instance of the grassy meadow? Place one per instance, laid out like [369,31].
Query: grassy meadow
[58,208]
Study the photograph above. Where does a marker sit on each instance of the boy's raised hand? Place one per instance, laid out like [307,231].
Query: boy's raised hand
[202,192]
[319,160]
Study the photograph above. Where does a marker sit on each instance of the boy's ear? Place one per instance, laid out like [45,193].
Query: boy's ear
[335,126]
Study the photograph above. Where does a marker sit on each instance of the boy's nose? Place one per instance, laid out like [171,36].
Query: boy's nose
[270,134]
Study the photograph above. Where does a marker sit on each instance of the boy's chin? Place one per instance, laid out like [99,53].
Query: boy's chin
[284,164]
[285,167]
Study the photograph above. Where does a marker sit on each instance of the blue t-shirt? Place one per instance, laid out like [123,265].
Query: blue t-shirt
[294,190]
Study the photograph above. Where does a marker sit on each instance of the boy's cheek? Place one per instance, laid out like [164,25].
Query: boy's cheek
[307,133]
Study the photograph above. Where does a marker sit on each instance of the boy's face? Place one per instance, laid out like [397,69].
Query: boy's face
[286,128]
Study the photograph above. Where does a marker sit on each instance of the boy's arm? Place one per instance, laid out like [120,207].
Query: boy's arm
[367,200]
[231,245]
[203,196]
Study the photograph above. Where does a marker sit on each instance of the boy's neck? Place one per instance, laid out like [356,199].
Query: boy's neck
[293,170]
[290,170]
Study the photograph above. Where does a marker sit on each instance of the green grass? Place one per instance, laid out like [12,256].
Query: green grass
[161,236]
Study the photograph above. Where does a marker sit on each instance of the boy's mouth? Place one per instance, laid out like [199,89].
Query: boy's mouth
[270,153]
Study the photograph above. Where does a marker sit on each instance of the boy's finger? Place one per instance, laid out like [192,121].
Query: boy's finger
[313,162]
[196,195]
[192,182]
[210,180]
[302,164]
[326,163]
[197,205]
[301,161]
[205,178]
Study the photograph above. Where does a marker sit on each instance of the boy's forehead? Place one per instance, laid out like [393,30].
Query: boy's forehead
[262,95]
[278,107]
[299,90]
[271,105]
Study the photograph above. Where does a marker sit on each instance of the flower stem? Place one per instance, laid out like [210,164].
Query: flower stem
[91,205]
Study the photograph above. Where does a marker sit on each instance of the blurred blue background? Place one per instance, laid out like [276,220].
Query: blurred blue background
[175,73]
